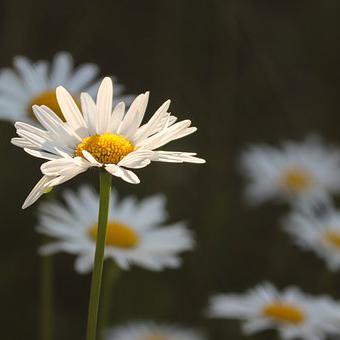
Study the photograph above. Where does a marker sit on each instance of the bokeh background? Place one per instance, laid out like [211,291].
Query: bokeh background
[244,72]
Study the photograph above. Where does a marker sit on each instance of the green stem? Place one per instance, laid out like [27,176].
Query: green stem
[46,296]
[105,192]
[110,276]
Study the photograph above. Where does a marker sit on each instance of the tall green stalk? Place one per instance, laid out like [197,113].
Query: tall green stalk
[46,296]
[105,192]
[111,275]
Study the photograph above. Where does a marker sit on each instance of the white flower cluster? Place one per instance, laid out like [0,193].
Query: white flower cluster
[305,175]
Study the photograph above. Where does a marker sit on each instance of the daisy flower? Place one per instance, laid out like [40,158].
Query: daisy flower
[296,171]
[293,313]
[152,331]
[97,136]
[319,233]
[33,83]
[134,231]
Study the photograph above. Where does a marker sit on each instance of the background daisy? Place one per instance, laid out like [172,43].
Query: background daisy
[319,233]
[293,313]
[152,331]
[135,234]
[100,137]
[308,170]
[34,83]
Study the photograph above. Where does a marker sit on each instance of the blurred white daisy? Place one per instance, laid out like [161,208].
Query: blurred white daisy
[152,331]
[319,233]
[34,83]
[134,232]
[293,313]
[100,137]
[296,171]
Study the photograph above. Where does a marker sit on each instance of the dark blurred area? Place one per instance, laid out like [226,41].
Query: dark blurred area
[244,72]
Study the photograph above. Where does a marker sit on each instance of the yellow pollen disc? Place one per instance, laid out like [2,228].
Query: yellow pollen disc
[296,179]
[117,235]
[49,99]
[283,312]
[106,149]
[333,238]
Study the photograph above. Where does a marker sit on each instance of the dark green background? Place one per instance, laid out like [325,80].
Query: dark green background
[244,72]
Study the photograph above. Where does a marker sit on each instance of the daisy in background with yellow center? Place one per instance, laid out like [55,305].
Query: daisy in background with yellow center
[97,136]
[135,233]
[152,331]
[305,171]
[294,314]
[34,83]
[318,233]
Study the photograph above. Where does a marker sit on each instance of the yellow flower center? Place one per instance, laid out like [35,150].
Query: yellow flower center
[283,312]
[106,149]
[49,99]
[333,238]
[296,179]
[117,235]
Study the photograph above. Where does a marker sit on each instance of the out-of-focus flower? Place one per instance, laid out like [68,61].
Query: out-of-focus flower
[134,232]
[319,233]
[297,171]
[152,331]
[100,137]
[293,313]
[34,83]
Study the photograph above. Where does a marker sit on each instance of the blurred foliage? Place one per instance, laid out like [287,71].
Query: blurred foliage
[244,72]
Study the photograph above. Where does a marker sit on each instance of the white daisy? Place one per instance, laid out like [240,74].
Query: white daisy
[296,171]
[34,83]
[134,234]
[293,313]
[317,232]
[152,331]
[100,137]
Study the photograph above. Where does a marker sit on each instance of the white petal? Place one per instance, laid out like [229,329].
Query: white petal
[38,190]
[41,154]
[90,111]
[117,117]
[22,143]
[41,68]
[83,263]
[176,157]
[70,111]
[12,85]
[174,132]
[137,159]
[91,159]
[82,77]
[64,166]
[125,174]
[58,129]
[36,138]
[39,139]
[61,69]
[29,74]
[104,105]
[152,125]
[12,110]
[134,116]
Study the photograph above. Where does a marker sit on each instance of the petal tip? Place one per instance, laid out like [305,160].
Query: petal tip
[107,81]
[25,205]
